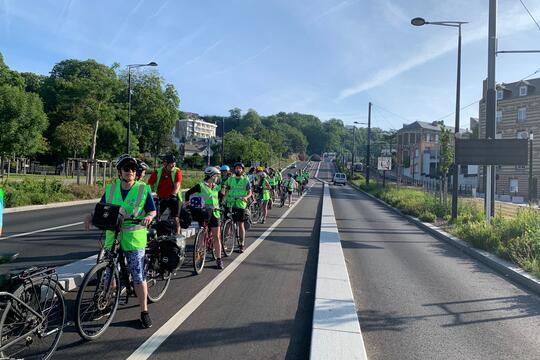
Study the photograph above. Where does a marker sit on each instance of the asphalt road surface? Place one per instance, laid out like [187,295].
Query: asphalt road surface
[420,298]
[263,310]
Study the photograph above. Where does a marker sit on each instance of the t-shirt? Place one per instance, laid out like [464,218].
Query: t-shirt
[149,205]
[165,186]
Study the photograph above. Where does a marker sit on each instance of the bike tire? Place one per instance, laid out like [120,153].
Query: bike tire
[199,252]
[157,281]
[104,309]
[16,317]
[228,237]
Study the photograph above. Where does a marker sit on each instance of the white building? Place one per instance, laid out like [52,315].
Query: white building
[193,129]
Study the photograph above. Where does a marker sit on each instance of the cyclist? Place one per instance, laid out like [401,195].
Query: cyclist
[273,180]
[208,191]
[265,189]
[225,173]
[237,191]
[289,185]
[141,170]
[166,181]
[1,209]
[126,193]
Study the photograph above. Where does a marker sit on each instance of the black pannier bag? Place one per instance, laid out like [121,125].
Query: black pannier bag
[108,217]
[172,250]
[185,217]
[165,227]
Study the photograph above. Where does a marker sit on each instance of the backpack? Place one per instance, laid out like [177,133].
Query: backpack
[172,252]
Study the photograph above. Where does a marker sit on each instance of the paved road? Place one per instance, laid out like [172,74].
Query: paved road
[262,310]
[419,298]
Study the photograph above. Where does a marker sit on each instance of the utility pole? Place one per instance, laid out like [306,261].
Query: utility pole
[455,180]
[491,107]
[368,155]
[353,150]
[222,140]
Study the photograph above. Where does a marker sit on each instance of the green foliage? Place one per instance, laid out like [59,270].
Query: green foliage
[74,137]
[447,153]
[428,217]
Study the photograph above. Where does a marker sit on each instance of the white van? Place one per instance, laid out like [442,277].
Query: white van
[340,178]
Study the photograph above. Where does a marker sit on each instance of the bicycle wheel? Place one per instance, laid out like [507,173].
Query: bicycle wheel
[97,300]
[38,339]
[157,281]
[199,251]
[227,237]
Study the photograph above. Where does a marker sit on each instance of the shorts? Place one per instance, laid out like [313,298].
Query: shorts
[135,265]
[172,204]
[238,215]
[214,221]
[289,192]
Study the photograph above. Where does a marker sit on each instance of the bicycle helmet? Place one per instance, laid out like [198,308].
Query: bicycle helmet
[142,165]
[262,174]
[239,163]
[169,158]
[260,168]
[225,168]
[211,171]
[124,160]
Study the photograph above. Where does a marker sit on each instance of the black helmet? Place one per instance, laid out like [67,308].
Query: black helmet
[169,158]
[124,160]
[239,163]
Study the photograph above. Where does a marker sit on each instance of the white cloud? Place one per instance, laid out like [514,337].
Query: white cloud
[511,22]
[333,9]
[204,52]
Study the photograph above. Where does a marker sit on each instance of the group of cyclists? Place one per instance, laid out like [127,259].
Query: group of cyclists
[222,190]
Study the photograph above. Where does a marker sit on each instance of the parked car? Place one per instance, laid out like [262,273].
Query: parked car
[340,178]
[293,166]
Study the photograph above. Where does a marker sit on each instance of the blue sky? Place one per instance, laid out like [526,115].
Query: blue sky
[324,57]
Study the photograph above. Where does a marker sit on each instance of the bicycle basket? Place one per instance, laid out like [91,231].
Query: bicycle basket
[171,252]
[108,217]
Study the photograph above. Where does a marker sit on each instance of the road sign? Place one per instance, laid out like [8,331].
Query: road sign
[491,152]
[384,163]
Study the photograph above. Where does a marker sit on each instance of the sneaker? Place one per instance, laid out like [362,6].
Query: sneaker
[145,320]
[241,249]
[219,264]
[263,221]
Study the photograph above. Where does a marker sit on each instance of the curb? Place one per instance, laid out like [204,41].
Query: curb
[49,206]
[503,267]
[336,332]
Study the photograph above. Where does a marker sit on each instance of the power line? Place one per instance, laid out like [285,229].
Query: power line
[392,113]
[531,15]
[461,109]
[385,118]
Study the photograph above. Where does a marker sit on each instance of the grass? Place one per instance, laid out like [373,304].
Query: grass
[515,239]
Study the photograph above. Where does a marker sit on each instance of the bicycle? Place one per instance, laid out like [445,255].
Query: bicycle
[34,312]
[107,281]
[204,243]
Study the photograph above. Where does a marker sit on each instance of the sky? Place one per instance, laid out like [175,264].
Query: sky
[329,58]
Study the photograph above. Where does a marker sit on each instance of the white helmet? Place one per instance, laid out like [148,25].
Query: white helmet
[211,171]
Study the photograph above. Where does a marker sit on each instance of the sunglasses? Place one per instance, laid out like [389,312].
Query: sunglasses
[129,168]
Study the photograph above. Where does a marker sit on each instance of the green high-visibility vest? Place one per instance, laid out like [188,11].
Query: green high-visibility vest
[173,176]
[289,184]
[210,198]
[265,191]
[132,236]
[236,191]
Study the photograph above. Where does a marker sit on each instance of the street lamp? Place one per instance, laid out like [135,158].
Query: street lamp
[531,193]
[128,142]
[418,21]
[354,145]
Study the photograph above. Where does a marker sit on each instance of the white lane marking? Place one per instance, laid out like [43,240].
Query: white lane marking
[153,342]
[318,167]
[41,230]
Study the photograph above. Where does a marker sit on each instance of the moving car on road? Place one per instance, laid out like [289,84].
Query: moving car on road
[340,178]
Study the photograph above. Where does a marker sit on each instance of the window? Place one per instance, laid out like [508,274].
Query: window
[428,137]
[514,185]
[498,136]
[437,138]
[522,114]
[523,90]
[498,117]
[500,95]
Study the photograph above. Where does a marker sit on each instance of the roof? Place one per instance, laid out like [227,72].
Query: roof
[417,125]
[512,89]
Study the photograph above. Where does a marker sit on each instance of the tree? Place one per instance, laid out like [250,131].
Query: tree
[33,82]
[82,91]
[446,160]
[154,111]
[22,122]
[74,137]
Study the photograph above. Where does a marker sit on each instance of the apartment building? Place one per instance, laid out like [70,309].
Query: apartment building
[193,128]
[517,116]
[418,153]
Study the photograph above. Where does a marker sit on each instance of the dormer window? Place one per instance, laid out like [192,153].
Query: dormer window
[523,90]
[500,95]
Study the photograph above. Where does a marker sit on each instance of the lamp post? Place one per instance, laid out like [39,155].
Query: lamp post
[222,140]
[128,139]
[531,192]
[456,24]
[354,145]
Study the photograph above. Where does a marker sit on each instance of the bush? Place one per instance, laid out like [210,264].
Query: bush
[427,217]
[480,234]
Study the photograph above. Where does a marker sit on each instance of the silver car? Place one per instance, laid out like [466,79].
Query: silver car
[340,178]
